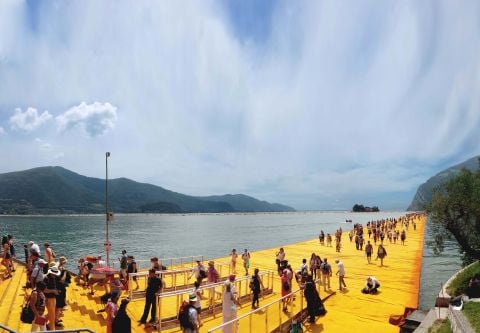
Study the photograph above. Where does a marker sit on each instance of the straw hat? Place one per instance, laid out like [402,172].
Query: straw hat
[211,263]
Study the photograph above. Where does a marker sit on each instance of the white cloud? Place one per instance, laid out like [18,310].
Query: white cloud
[95,119]
[29,119]
[2,130]
[326,103]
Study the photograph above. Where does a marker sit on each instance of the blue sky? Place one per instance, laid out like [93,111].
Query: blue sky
[315,104]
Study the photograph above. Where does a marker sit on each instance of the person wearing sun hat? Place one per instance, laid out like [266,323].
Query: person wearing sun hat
[212,274]
[229,304]
[37,273]
[50,294]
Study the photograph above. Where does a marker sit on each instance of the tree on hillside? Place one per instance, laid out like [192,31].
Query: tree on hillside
[456,206]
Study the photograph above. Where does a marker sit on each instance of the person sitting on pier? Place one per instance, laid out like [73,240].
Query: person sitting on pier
[473,290]
[371,286]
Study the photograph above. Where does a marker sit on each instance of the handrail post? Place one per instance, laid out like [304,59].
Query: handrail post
[159,304]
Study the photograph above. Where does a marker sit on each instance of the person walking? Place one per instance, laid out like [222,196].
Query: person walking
[190,323]
[37,304]
[132,268]
[154,285]
[51,293]
[341,275]
[256,285]
[285,287]
[229,307]
[326,273]
[312,297]
[381,253]
[111,309]
[233,261]
[279,258]
[246,260]
[369,251]
[122,322]
[199,271]
[123,265]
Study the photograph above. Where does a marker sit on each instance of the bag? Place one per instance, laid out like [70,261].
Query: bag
[27,314]
[296,327]
[325,268]
[183,316]
[286,286]
[202,273]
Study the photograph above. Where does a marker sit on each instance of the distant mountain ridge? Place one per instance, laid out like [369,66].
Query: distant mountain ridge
[424,191]
[56,190]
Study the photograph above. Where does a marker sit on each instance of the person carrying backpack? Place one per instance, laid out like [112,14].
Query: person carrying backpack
[188,316]
[326,273]
[256,285]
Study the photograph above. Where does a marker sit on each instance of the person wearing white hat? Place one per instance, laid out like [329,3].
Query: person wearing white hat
[37,273]
[50,293]
[229,307]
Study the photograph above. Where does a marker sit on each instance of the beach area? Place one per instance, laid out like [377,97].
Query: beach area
[348,311]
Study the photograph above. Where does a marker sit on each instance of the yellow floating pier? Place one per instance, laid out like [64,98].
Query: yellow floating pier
[348,311]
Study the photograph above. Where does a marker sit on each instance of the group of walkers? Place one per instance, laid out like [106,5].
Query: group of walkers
[49,279]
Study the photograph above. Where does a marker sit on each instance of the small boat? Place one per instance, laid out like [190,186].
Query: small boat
[349,221]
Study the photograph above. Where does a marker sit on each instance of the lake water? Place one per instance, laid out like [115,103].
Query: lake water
[211,235]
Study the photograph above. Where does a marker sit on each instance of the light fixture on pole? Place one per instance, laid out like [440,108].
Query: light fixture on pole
[108,215]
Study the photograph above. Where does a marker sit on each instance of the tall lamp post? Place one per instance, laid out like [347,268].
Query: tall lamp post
[107,214]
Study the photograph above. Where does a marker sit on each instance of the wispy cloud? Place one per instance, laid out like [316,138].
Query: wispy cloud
[320,104]
[29,119]
[2,130]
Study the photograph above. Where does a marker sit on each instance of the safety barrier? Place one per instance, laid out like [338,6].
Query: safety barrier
[72,330]
[275,319]
[168,262]
[212,299]
[173,279]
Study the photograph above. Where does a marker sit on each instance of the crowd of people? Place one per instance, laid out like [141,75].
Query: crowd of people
[49,279]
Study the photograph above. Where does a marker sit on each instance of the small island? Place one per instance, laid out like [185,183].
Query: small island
[362,209]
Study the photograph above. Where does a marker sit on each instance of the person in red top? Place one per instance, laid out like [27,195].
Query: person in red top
[286,288]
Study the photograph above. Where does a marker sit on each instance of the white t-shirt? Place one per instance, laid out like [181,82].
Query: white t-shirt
[37,274]
[341,268]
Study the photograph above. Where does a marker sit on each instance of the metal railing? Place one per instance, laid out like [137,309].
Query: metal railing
[173,279]
[72,330]
[168,262]
[212,300]
[274,315]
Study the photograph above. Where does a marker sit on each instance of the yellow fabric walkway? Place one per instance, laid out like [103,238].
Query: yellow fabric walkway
[348,311]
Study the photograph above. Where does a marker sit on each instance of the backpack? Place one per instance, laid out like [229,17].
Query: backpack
[286,286]
[325,268]
[184,316]
[254,284]
[202,273]
[304,271]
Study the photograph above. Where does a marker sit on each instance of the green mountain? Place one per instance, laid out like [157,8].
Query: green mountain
[424,192]
[54,190]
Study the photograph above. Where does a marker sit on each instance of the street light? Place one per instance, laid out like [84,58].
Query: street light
[108,216]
